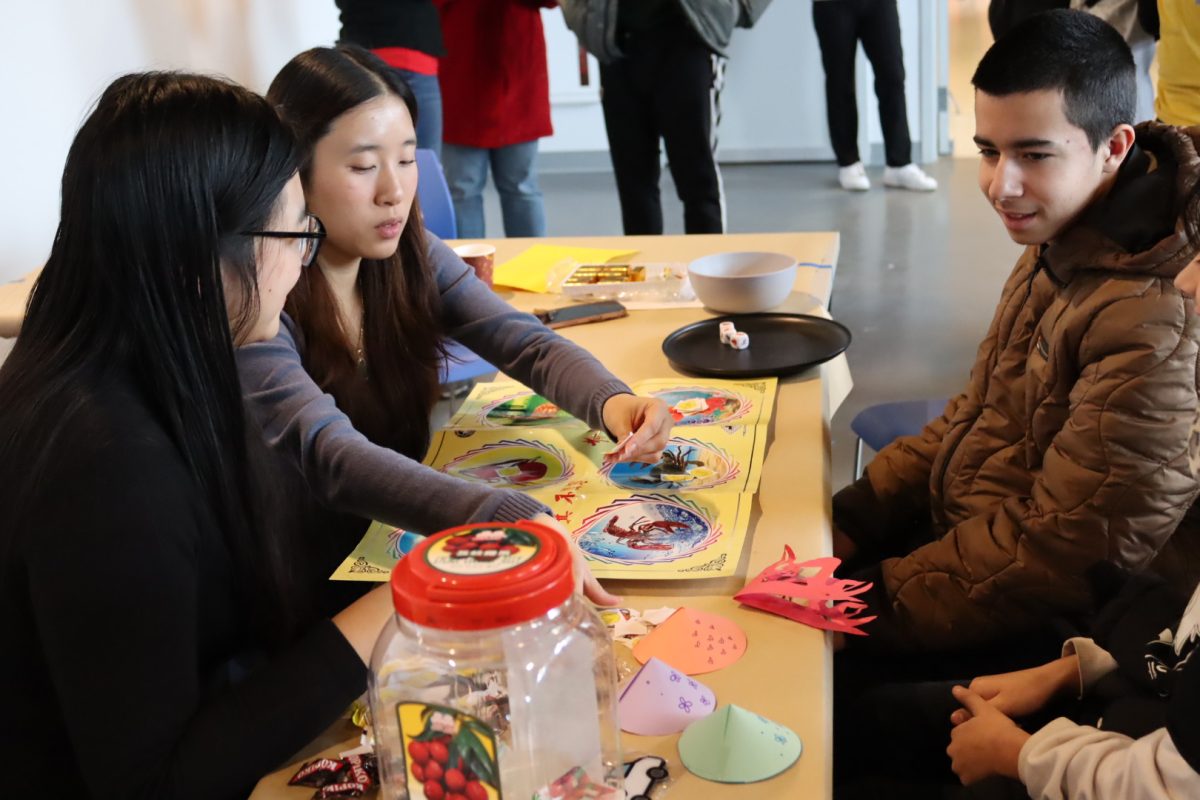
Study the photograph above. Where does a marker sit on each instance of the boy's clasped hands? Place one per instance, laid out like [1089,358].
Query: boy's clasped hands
[985,741]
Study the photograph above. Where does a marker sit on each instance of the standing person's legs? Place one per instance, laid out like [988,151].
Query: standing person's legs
[466,174]
[429,108]
[687,106]
[632,143]
[514,170]
[837,33]
[879,27]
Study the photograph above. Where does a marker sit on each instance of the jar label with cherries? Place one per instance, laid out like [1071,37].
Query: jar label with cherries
[449,754]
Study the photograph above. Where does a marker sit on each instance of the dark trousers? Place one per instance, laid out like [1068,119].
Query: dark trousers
[891,719]
[667,86]
[840,25]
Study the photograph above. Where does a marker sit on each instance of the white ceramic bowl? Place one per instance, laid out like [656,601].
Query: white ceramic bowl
[742,283]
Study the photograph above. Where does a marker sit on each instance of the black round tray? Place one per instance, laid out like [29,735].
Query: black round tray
[780,344]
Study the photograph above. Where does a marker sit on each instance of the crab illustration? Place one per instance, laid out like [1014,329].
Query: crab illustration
[674,467]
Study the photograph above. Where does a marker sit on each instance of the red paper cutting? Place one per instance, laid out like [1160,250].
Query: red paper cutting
[808,592]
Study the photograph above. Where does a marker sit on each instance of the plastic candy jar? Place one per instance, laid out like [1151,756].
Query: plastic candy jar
[494,680]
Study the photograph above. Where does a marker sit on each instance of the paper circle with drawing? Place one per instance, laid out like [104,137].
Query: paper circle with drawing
[661,700]
[734,745]
[647,529]
[694,641]
[515,463]
[686,464]
[524,409]
[704,405]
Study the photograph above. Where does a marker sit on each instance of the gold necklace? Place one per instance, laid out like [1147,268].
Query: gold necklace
[359,355]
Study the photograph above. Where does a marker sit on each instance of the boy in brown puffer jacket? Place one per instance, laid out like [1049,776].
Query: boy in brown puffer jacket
[1065,460]
[1068,447]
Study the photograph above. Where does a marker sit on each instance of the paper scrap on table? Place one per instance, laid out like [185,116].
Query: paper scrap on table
[534,269]
[808,592]
[734,745]
[657,616]
[661,700]
[630,627]
[629,623]
[693,641]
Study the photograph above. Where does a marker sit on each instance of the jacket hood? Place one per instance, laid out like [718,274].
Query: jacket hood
[1138,226]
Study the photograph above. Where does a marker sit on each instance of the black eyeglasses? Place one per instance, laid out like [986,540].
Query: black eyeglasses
[308,240]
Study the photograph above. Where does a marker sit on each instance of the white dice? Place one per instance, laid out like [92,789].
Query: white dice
[731,336]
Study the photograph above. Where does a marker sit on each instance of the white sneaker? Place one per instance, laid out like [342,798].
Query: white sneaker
[910,177]
[854,178]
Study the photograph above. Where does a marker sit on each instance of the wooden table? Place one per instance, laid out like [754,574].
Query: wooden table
[786,673]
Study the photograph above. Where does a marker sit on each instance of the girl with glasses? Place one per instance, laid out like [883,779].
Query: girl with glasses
[346,390]
[158,640]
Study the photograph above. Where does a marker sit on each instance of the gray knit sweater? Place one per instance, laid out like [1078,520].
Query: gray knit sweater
[348,473]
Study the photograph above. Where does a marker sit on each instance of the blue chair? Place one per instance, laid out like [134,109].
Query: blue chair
[879,425]
[463,365]
[434,195]
[438,213]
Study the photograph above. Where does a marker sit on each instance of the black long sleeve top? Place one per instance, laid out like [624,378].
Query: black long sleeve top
[413,24]
[121,628]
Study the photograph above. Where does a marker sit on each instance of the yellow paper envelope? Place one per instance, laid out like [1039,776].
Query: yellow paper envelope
[535,269]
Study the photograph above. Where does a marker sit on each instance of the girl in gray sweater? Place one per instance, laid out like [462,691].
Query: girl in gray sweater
[345,389]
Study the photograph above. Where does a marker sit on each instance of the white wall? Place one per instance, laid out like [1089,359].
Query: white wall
[58,55]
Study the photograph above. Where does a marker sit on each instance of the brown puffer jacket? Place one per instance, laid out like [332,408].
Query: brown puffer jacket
[1069,445]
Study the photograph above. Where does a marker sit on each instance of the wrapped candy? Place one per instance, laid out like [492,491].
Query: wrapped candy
[808,592]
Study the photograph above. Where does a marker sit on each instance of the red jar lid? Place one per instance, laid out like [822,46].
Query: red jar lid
[484,575]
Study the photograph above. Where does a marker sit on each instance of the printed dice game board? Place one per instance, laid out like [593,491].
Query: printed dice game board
[683,517]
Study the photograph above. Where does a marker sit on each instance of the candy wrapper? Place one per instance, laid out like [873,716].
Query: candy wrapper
[808,592]
[318,773]
[338,777]
[578,785]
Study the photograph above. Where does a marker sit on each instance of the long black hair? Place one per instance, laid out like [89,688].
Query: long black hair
[159,184]
[402,336]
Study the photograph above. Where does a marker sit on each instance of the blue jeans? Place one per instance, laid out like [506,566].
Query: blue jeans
[514,171]
[429,108]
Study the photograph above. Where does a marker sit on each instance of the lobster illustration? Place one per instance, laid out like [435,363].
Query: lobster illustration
[638,535]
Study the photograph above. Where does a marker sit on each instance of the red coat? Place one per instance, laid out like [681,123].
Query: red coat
[495,87]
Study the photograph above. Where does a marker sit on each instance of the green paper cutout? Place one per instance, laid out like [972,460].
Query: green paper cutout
[733,745]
